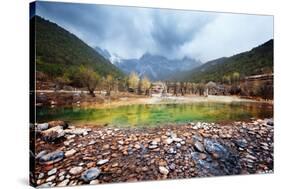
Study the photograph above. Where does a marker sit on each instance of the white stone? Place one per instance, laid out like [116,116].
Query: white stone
[42,126]
[102,161]
[63,183]
[95,182]
[41,175]
[75,170]
[169,141]
[70,153]
[61,178]
[51,178]
[163,170]
[53,171]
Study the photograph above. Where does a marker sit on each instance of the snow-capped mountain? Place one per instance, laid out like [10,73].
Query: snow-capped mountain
[155,67]
[113,58]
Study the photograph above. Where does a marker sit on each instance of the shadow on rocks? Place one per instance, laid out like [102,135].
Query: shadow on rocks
[218,159]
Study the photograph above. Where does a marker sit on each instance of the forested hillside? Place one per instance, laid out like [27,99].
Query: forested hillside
[60,53]
[259,60]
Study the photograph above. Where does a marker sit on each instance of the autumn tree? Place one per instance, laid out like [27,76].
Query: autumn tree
[226,79]
[89,79]
[133,80]
[109,84]
[146,84]
[62,80]
[235,77]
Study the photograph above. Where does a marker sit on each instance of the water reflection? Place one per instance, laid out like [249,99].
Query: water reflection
[151,115]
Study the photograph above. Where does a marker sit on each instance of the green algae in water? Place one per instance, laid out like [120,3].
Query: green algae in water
[157,114]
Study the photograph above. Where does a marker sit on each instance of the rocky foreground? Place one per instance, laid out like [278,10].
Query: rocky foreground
[66,155]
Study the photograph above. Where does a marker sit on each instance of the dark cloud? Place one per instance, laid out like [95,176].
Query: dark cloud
[131,31]
[177,28]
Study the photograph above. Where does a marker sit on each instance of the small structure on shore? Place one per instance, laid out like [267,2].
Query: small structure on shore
[158,88]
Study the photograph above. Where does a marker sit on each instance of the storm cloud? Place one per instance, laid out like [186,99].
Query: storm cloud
[130,31]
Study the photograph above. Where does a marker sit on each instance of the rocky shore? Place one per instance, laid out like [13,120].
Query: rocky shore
[69,155]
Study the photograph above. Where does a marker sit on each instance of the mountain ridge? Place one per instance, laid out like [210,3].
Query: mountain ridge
[148,64]
[258,60]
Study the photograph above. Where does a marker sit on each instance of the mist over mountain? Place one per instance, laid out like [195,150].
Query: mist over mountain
[155,67]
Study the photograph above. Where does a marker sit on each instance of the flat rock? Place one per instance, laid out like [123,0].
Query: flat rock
[51,158]
[152,146]
[77,131]
[53,171]
[102,161]
[70,153]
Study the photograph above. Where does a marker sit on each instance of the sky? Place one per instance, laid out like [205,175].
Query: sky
[131,31]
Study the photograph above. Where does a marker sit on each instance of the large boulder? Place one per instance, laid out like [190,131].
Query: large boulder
[42,126]
[53,134]
[58,123]
[219,159]
[51,158]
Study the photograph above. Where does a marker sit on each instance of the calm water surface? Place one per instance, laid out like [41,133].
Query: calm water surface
[157,114]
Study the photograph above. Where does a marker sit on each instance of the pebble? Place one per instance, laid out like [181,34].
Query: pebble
[251,157]
[199,146]
[41,175]
[93,182]
[64,183]
[115,165]
[90,174]
[169,141]
[70,153]
[61,178]
[152,146]
[75,170]
[121,142]
[172,166]
[62,173]
[163,170]
[172,151]
[51,178]
[137,146]
[102,161]
[53,171]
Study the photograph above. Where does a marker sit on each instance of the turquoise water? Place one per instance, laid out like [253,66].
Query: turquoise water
[157,114]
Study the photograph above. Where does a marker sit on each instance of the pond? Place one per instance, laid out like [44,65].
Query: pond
[157,114]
